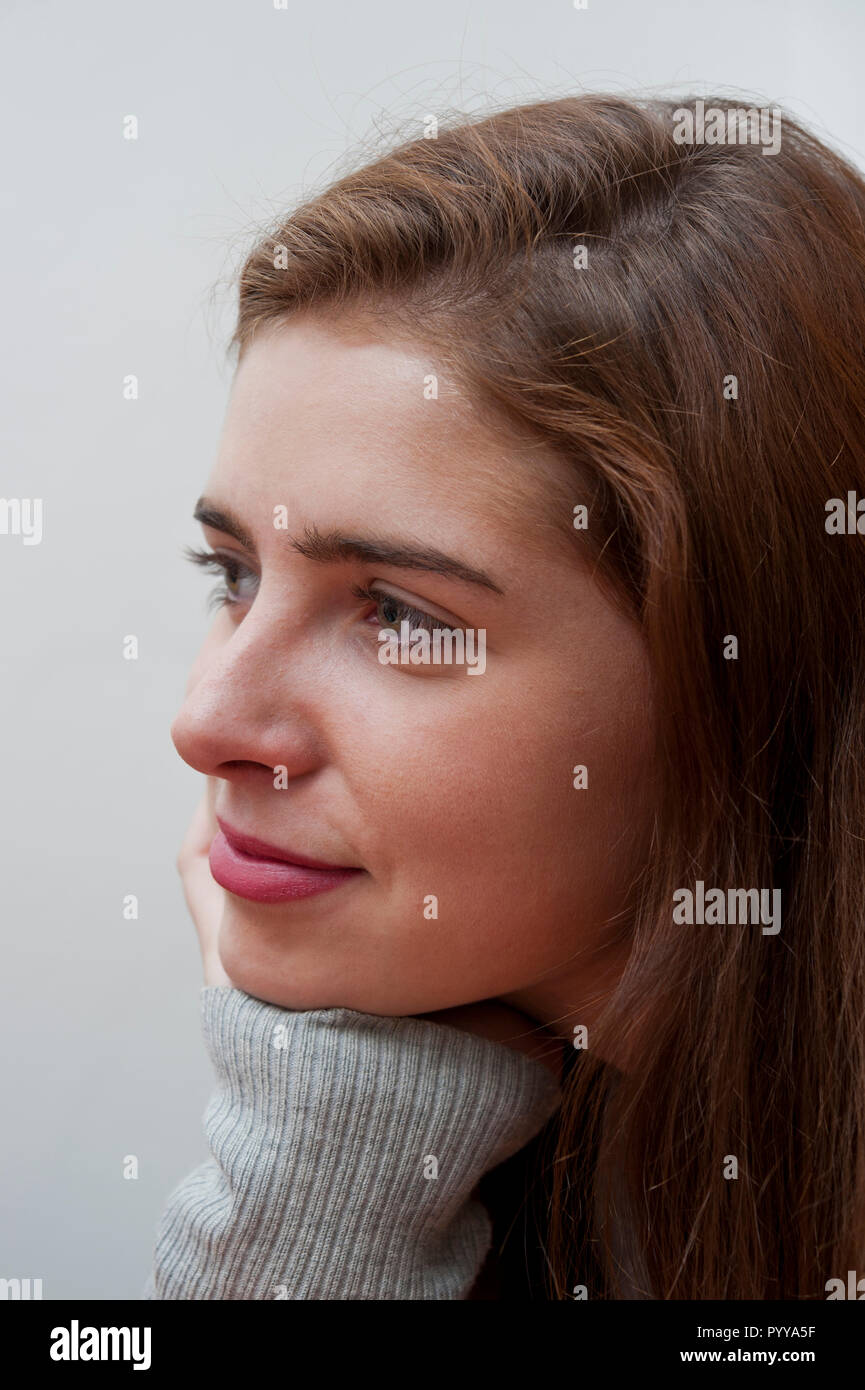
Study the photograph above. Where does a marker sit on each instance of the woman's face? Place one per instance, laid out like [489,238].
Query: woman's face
[483,871]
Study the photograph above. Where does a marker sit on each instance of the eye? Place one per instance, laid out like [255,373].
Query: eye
[392,611]
[234,573]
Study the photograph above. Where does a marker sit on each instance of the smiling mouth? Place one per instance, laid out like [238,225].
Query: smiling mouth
[264,879]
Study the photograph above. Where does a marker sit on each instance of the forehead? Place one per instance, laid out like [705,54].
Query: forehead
[331,407]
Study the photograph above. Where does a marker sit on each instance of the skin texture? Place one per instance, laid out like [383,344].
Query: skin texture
[434,781]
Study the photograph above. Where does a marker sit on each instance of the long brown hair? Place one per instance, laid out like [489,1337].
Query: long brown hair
[701,362]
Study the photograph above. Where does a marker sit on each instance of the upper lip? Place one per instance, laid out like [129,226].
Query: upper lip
[250,844]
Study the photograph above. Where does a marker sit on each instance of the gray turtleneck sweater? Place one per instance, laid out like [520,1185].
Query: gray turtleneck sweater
[345,1150]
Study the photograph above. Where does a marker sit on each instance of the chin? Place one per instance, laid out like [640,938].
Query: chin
[293,968]
[289,975]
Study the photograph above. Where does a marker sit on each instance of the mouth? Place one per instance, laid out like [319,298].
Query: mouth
[263,873]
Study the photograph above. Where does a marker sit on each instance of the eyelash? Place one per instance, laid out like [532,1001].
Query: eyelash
[414,616]
[233,569]
[225,565]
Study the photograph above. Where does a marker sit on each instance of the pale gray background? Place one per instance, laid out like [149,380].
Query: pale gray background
[112,250]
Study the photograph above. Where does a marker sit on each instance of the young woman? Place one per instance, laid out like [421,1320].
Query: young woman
[541,974]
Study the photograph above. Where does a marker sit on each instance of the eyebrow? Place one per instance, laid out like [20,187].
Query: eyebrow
[331,547]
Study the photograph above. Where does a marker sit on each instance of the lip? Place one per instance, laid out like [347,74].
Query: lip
[260,849]
[264,873]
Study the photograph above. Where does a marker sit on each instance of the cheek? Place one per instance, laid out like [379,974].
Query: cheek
[483,815]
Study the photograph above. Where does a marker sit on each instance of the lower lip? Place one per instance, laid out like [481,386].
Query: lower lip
[270,880]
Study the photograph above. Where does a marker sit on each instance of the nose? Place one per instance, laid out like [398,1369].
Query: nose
[242,706]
